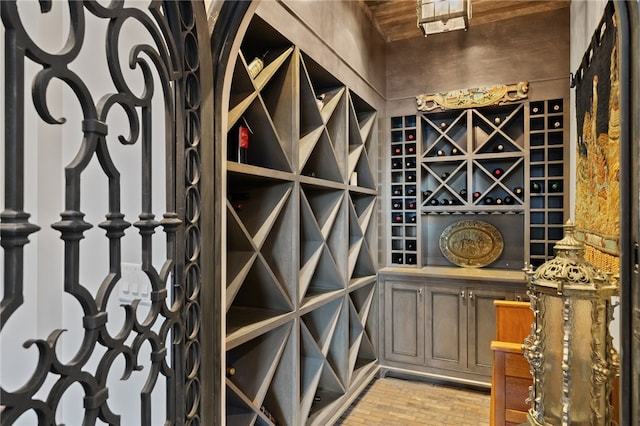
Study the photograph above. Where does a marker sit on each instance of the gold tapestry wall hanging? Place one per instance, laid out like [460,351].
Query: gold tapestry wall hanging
[474,97]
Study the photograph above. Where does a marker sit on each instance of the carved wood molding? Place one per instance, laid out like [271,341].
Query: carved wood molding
[473,97]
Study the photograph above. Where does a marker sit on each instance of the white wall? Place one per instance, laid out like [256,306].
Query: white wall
[48,149]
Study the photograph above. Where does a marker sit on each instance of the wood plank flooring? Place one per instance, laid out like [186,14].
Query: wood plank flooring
[396,402]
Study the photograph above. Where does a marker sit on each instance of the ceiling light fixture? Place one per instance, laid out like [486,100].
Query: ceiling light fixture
[438,16]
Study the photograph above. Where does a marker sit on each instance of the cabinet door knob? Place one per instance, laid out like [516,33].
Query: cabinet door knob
[462,294]
[420,291]
[470,295]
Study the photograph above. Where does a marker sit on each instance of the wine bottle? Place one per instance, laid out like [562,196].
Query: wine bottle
[536,187]
[498,201]
[396,150]
[238,199]
[443,125]
[447,202]
[257,65]
[440,153]
[396,190]
[410,245]
[410,164]
[556,107]
[476,195]
[508,200]
[411,204]
[497,120]
[555,186]
[518,191]
[498,148]
[411,149]
[498,172]
[411,136]
[488,200]
[396,164]
[410,177]
[397,218]
[445,175]
[426,194]
[412,219]
[243,142]
[455,151]
[463,193]
[434,202]
[396,205]
[231,371]
[411,191]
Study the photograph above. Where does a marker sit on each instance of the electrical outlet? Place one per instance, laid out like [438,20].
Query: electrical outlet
[133,284]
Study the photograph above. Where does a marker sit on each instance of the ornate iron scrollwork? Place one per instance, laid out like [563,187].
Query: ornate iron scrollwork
[171,324]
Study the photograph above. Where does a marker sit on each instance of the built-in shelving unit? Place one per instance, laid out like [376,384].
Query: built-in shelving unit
[548,185]
[404,191]
[501,164]
[301,237]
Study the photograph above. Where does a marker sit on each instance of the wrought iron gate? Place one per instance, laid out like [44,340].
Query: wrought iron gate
[157,340]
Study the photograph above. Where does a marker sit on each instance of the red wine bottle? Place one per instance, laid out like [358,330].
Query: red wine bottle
[498,172]
[243,142]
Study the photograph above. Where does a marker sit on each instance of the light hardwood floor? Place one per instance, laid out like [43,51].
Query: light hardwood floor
[395,402]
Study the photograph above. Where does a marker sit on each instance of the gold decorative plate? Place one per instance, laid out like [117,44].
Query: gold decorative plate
[471,243]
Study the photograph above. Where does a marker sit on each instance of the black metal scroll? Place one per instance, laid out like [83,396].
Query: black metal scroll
[171,325]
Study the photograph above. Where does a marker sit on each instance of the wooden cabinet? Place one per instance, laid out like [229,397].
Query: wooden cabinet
[441,327]
[404,322]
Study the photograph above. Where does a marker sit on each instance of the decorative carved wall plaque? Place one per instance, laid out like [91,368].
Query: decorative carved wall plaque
[474,97]
[471,243]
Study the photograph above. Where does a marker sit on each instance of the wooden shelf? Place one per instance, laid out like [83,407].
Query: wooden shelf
[301,237]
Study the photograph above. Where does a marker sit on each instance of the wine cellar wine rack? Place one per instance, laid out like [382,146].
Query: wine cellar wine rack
[548,196]
[503,165]
[301,237]
[404,191]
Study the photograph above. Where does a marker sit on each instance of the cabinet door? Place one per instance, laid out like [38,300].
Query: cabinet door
[446,332]
[482,327]
[404,322]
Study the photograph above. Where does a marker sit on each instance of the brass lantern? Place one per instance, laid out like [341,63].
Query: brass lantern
[438,16]
[570,350]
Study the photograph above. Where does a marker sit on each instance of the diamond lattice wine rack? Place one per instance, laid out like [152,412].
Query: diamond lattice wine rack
[301,236]
[503,165]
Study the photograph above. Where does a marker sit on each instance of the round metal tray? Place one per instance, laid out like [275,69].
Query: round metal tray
[471,243]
